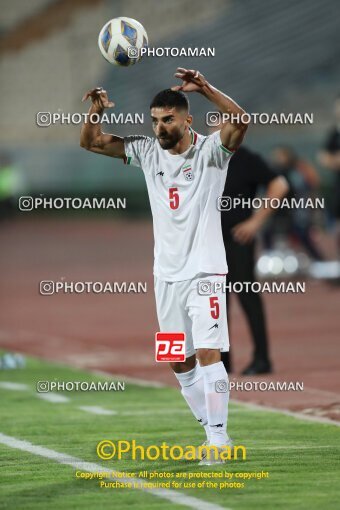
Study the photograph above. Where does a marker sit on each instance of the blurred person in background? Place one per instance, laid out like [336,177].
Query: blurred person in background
[304,182]
[330,159]
[247,173]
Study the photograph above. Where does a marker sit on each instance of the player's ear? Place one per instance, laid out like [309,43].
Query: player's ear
[189,120]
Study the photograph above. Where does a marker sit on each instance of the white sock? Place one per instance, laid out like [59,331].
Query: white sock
[193,391]
[216,388]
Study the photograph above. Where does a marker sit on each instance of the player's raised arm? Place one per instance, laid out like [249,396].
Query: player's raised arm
[91,136]
[232,131]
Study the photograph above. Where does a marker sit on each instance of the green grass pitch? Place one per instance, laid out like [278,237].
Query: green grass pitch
[302,458]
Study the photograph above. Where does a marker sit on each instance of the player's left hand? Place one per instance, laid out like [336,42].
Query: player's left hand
[193,81]
[99,98]
[245,231]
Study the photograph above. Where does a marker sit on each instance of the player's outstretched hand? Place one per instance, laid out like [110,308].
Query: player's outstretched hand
[193,81]
[99,98]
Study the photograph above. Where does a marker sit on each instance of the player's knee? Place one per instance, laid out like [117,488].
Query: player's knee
[208,356]
[183,366]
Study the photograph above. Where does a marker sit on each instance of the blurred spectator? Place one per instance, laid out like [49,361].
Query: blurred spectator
[330,159]
[247,172]
[304,181]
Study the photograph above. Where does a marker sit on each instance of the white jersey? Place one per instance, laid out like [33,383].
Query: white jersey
[183,191]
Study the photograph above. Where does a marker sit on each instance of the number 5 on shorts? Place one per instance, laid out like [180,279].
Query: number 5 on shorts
[214,307]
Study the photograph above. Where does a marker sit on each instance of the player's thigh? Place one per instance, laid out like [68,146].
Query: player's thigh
[208,313]
[172,315]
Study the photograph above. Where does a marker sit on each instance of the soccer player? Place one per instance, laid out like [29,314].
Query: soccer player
[185,174]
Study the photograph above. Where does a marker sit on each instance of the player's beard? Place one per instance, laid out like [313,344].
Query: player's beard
[167,141]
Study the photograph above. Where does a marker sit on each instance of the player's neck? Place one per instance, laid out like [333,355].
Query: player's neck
[183,145]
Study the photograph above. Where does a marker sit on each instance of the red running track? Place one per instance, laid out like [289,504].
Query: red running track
[115,333]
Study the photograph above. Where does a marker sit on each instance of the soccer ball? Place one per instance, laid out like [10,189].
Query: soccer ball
[120,40]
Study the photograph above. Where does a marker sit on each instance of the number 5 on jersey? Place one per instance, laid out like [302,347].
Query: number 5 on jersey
[173,198]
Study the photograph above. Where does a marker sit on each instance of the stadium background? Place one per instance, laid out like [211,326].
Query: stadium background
[270,57]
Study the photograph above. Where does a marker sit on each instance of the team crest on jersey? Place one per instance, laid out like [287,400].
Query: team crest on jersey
[188,173]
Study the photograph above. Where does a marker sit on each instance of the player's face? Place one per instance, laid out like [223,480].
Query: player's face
[169,125]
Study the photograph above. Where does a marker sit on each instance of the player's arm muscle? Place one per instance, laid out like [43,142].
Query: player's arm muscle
[91,136]
[101,143]
[233,130]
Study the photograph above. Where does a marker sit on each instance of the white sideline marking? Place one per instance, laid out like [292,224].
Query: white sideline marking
[6,385]
[179,498]
[96,410]
[53,397]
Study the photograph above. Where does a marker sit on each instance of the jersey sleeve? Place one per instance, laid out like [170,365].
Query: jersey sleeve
[137,147]
[219,155]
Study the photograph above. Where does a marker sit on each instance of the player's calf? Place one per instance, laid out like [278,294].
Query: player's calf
[216,390]
[190,377]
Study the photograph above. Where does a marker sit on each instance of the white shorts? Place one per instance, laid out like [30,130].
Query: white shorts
[188,307]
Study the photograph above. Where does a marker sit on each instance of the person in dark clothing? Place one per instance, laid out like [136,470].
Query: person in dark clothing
[330,159]
[247,172]
[303,182]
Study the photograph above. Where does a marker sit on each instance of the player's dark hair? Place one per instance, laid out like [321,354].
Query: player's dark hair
[170,99]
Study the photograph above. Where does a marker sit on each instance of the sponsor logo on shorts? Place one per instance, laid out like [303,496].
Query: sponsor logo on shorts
[170,346]
[214,326]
